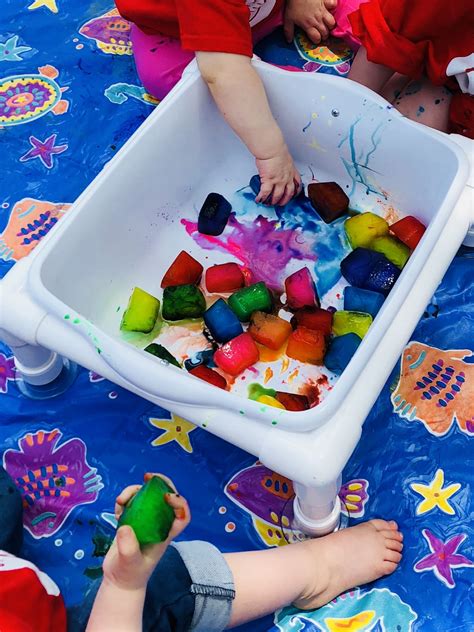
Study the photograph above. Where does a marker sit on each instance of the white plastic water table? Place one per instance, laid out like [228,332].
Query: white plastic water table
[119,234]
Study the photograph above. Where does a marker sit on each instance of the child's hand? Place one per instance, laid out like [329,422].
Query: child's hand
[126,565]
[280,179]
[313,16]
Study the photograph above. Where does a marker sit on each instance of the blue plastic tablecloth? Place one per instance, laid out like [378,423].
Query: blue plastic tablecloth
[69,99]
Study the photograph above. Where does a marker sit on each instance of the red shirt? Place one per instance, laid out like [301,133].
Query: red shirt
[222,26]
[29,599]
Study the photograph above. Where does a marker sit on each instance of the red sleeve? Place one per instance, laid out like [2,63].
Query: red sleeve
[385,45]
[220,26]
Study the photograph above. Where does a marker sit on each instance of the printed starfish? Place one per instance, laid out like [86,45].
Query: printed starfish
[44,150]
[443,557]
[176,429]
[434,495]
[49,4]
[9,51]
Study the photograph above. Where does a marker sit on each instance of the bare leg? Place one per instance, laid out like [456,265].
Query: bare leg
[425,103]
[373,76]
[310,574]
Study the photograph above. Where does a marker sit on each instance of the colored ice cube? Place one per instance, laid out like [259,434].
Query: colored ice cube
[341,351]
[293,402]
[160,352]
[205,357]
[183,301]
[183,271]
[251,299]
[300,290]
[141,313]
[214,214]
[255,184]
[270,401]
[382,277]
[409,230]
[257,390]
[148,513]
[358,264]
[313,318]
[306,345]
[392,248]
[364,227]
[208,375]
[328,200]
[358,300]
[222,322]
[269,330]
[226,277]
[351,322]
[237,355]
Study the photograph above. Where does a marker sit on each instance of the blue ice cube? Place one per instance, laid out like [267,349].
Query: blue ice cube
[255,184]
[382,277]
[214,214]
[222,322]
[358,300]
[358,264]
[340,352]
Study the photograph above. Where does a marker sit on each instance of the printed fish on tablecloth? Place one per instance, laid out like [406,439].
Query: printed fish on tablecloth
[268,498]
[111,33]
[53,479]
[30,221]
[436,387]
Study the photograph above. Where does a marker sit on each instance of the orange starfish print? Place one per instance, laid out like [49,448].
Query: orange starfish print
[436,387]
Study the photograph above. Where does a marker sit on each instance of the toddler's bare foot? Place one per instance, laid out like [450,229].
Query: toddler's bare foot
[350,558]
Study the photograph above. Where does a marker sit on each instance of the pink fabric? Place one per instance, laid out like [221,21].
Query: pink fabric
[343,27]
[160,60]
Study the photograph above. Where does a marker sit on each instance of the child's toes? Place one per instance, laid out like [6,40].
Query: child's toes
[394,545]
[392,556]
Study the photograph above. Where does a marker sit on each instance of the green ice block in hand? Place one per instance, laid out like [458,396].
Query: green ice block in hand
[148,513]
[141,313]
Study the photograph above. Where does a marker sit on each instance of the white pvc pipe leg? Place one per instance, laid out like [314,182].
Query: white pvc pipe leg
[35,365]
[317,509]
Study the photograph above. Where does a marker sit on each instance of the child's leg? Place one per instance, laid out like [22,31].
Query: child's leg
[160,61]
[425,103]
[11,515]
[373,76]
[310,574]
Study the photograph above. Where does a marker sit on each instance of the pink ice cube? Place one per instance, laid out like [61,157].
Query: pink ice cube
[300,290]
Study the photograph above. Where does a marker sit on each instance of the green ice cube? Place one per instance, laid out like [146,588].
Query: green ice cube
[160,352]
[345,322]
[250,299]
[148,513]
[392,248]
[141,313]
[183,301]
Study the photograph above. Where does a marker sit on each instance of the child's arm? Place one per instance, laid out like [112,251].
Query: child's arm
[118,606]
[313,16]
[240,96]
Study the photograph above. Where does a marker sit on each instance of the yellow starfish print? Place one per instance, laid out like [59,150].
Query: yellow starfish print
[49,4]
[176,429]
[358,622]
[434,495]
